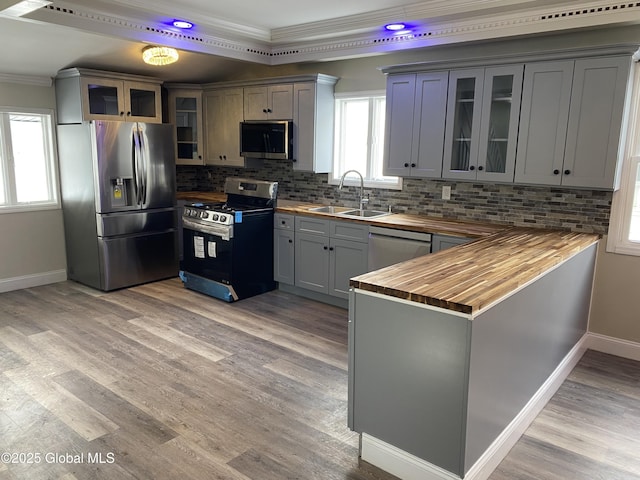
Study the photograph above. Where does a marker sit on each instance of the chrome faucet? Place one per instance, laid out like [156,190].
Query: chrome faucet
[363,200]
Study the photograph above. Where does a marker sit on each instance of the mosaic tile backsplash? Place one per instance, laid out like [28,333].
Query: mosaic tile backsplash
[518,205]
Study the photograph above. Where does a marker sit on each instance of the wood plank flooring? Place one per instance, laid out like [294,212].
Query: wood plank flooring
[159,382]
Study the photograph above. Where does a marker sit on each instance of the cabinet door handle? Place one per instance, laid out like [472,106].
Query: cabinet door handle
[122,114]
[331,249]
[325,248]
[128,114]
[264,110]
[556,172]
[413,165]
[290,241]
[480,168]
[406,165]
[269,110]
[567,172]
[472,168]
[284,222]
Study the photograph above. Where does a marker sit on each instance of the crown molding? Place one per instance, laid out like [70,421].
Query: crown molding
[439,22]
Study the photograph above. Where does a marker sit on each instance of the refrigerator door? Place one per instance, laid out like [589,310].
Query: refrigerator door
[157,165]
[117,174]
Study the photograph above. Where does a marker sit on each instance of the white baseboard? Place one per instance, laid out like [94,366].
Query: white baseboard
[400,463]
[34,280]
[408,467]
[614,346]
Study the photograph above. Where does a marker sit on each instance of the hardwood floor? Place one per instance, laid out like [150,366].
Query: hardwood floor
[159,382]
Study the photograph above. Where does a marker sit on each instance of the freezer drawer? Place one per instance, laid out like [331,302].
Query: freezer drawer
[136,259]
[126,223]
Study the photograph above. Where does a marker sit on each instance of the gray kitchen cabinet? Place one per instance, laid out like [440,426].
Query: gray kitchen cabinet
[84,94]
[223,114]
[271,102]
[595,120]
[313,124]
[328,253]
[482,123]
[416,107]
[185,113]
[546,94]
[442,242]
[284,248]
[571,121]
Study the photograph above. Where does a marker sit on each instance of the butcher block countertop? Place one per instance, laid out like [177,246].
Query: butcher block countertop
[471,277]
[467,278]
[201,196]
[401,221]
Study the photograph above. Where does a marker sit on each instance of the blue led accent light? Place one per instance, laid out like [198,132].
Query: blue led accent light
[394,27]
[182,24]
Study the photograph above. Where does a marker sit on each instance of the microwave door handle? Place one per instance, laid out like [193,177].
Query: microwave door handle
[267,142]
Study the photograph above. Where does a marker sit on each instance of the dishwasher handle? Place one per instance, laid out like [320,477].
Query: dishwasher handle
[405,234]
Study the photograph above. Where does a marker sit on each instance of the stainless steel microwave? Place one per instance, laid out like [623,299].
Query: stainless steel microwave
[266,139]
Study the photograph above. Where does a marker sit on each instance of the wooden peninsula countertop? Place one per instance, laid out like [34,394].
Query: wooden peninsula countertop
[472,277]
[201,196]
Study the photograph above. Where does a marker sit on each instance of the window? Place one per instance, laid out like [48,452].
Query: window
[27,160]
[624,228]
[359,140]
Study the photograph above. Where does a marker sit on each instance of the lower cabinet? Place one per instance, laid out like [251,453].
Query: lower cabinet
[318,254]
[442,242]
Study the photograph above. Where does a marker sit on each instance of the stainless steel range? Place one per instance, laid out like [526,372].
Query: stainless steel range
[228,246]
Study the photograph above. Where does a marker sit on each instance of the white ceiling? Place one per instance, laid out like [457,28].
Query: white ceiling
[110,34]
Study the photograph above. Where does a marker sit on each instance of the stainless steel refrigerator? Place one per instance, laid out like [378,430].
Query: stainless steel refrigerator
[118,197]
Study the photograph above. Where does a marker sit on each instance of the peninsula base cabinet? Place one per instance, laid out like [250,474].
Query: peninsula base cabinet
[431,390]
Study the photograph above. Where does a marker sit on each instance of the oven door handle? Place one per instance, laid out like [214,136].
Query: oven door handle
[225,232]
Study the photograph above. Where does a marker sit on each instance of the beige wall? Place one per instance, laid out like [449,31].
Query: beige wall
[614,309]
[31,243]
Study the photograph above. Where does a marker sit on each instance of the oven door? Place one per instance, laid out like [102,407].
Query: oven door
[208,254]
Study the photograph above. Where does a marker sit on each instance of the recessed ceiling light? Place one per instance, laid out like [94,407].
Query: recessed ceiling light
[182,24]
[394,27]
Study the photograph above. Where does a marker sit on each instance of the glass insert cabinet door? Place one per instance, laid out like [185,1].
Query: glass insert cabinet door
[482,127]
[499,125]
[187,127]
[462,130]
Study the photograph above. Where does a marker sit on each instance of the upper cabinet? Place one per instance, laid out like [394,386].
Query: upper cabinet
[224,112]
[272,102]
[571,122]
[313,124]
[307,100]
[546,119]
[482,123]
[185,112]
[416,108]
[83,95]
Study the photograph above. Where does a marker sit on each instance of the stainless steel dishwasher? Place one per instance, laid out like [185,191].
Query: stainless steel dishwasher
[388,246]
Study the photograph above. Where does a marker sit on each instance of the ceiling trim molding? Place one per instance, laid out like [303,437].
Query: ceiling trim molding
[26,80]
[473,26]
[542,20]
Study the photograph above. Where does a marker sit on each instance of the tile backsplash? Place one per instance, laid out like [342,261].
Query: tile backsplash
[519,205]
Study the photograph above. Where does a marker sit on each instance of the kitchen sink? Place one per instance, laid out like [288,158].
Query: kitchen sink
[364,213]
[329,209]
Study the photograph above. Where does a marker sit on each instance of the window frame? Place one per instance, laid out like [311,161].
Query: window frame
[623,197]
[7,166]
[338,162]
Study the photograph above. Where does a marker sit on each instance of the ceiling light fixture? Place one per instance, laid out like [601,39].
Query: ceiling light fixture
[394,27]
[154,55]
[182,24]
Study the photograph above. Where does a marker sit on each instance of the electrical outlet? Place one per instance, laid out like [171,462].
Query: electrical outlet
[446,192]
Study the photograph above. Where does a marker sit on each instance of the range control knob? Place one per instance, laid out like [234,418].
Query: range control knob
[203,215]
[223,218]
[215,217]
